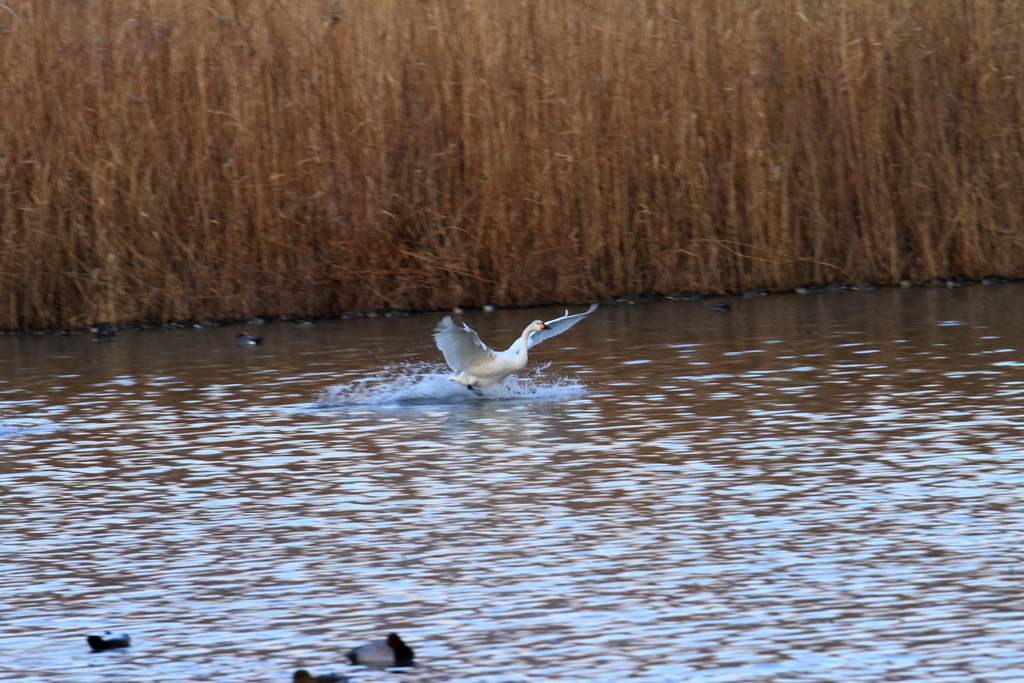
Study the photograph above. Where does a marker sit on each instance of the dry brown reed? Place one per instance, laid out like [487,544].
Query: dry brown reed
[173,158]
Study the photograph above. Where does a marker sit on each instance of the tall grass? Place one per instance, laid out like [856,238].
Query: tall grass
[173,158]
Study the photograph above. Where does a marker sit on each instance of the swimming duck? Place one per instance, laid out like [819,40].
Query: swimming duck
[958,281]
[303,676]
[723,307]
[391,651]
[102,334]
[243,339]
[812,288]
[475,365]
[108,641]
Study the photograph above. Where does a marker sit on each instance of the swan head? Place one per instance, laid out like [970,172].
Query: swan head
[537,326]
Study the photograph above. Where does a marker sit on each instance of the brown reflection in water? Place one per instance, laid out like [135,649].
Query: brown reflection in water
[828,474]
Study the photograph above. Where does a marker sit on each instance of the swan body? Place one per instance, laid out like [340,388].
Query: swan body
[475,365]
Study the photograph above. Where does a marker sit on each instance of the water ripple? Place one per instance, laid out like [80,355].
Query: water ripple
[808,489]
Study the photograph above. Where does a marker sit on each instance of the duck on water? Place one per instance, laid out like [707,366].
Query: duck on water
[391,651]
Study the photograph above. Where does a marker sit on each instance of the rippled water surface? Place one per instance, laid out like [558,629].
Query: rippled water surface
[818,488]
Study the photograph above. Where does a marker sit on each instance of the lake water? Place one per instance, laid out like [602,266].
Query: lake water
[807,488]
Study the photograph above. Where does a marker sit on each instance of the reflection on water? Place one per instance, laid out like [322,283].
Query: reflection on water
[815,488]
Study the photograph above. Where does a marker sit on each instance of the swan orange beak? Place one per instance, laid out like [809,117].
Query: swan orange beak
[543,326]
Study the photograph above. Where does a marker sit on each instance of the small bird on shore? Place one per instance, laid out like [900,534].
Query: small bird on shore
[108,641]
[475,365]
[243,339]
[392,651]
[303,676]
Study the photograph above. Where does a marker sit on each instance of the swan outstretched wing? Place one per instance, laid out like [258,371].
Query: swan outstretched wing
[557,326]
[460,345]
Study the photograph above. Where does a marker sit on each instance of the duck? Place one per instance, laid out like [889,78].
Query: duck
[958,281]
[812,288]
[303,676]
[243,339]
[391,651]
[108,641]
[103,334]
[475,365]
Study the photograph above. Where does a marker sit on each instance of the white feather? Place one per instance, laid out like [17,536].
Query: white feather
[476,365]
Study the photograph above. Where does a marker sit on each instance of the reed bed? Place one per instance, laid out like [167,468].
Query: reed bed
[174,158]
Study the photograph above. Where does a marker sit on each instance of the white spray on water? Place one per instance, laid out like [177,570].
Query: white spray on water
[428,383]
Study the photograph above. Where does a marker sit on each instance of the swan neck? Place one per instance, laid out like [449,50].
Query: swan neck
[523,342]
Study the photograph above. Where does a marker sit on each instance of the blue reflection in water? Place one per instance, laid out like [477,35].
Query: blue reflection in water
[809,489]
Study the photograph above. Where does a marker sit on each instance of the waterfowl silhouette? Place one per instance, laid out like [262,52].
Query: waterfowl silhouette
[812,288]
[958,281]
[303,676]
[108,641]
[243,339]
[104,334]
[391,651]
[475,365]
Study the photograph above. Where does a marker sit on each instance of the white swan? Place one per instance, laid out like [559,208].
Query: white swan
[476,366]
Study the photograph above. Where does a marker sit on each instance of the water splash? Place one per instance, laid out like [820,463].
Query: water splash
[428,384]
